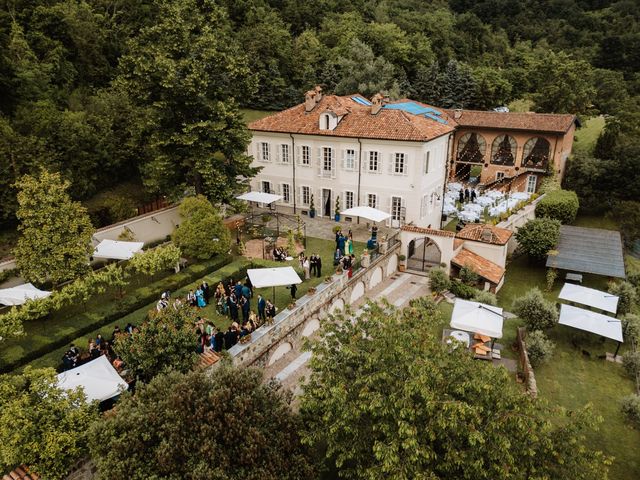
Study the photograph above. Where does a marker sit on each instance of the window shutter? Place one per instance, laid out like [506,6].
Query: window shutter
[334,163]
[319,161]
[405,170]
[256,151]
[298,158]
[391,163]
[344,158]
[426,163]
[269,152]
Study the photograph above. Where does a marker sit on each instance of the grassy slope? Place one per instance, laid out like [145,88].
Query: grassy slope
[587,135]
[251,115]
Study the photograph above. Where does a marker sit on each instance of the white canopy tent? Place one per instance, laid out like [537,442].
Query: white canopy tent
[98,378]
[273,277]
[477,317]
[20,294]
[259,197]
[116,249]
[369,213]
[590,297]
[589,321]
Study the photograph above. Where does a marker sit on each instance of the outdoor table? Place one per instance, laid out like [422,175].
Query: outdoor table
[495,194]
[468,216]
[473,207]
[485,201]
[460,336]
[454,187]
[520,195]
[449,209]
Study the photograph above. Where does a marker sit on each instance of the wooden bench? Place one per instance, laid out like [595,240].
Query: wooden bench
[574,277]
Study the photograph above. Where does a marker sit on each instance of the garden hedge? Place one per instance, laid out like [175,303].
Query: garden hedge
[560,205]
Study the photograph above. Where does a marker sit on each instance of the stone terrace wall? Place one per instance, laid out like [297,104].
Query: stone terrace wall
[517,220]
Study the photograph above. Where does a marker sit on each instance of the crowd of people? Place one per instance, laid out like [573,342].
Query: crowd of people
[97,347]
[344,256]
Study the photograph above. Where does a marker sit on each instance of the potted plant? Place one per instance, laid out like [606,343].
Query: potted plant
[339,270]
[328,279]
[312,208]
[337,213]
[311,291]
[292,305]
[402,265]
[245,339]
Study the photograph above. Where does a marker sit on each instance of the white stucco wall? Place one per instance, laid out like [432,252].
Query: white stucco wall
[494,253]
[445,244]
[417,187]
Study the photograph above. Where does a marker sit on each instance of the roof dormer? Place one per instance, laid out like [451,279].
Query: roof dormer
[328,121]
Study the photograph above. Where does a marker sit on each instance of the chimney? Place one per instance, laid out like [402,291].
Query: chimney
[312,98]
[457,113]
[376,103]
[486,235]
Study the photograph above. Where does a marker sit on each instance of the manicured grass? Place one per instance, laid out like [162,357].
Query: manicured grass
[521,105]
[251,115]
[587,135]
[595,221]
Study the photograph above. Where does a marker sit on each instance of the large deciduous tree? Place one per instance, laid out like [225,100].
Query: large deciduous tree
[55,232]
[538,236]
[187,72]
[387,399]
[42,426]
[224,424]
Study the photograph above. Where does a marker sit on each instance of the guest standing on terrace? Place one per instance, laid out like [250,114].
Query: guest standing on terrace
[262,304]
[318,265]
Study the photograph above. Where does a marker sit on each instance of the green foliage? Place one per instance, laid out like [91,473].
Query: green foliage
[536,312]
[483,296]
[627,294]
[551,276]
[561,205]
[386,399]
[40,425]
[7,274]
[201,234]
[630,407]
[312,207]
[631,327]
[180,419]
[337,209]
[627,215]
[291,243]
[538,236]
[631,363]
[469,277]
[438,280]
[539,347]
[166,341]
[55,232]
[462,290]
[156,259]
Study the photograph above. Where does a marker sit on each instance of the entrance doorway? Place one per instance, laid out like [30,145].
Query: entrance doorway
[532,181]
[423,254]
[463,171]
[326,202]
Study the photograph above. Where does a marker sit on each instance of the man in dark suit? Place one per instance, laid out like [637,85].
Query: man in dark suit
[262,304]
[318,265]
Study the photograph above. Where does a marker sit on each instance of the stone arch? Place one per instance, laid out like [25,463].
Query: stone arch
[535,153]
[503,150]
[392,264]
[357,292]
[311,326]
[471,148]
[280,352]
[338,304]
[423,253]
[376,277]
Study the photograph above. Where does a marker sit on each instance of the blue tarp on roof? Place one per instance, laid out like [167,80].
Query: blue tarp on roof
[416,109]
[361,101]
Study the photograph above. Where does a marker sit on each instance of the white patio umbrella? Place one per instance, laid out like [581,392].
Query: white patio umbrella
[259,197]
[20,294]
[590,297]
[273,277]
[115,249]
[369,213]
[98,378]
[477,317]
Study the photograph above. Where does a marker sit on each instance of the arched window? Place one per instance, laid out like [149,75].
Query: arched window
[536,153]
[503,150]
[326,122]
[471,148]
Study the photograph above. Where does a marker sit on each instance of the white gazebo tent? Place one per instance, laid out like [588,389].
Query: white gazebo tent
[20,294]
[115,249]
[260,197]
[273,277]
[593,322]
[98,378]
[589,297]
[369,213]
[478,318]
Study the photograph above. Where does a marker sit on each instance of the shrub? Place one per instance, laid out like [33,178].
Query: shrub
[536,312]
[461,290]
[631,327]
[439,280]
[626,293]
[631,363]
[483,296]
[552,274]
[468,276]
[560,205]
[630,407]
[627,214]
[537,237]
[539,347]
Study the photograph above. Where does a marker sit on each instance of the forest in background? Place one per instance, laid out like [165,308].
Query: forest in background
[107,91]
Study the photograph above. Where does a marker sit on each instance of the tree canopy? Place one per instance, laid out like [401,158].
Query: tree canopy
[387,399]
[222,424]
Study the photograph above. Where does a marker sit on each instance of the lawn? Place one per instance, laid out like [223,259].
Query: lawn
[251,115]
[587,135]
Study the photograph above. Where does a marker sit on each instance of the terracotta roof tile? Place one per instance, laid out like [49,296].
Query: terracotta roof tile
[483,267]
[540,122]
[427,231]
[480,232]
[457,243]
[357,122]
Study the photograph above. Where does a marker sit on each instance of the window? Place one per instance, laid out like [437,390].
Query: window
[374,164]
[306,155]
[325,122]
[372,200]
[350,159]
[284,153]
[532,180]
[306,195]
[266,187]
[348,200]
[327,159]
[399,164]
[426,162]
[499,176]
[286,193]
[536,153]
[503,151]
[396,208]
[264,152]
[471,148]
[424,206]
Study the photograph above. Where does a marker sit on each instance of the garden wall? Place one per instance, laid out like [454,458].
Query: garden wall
[517,220]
